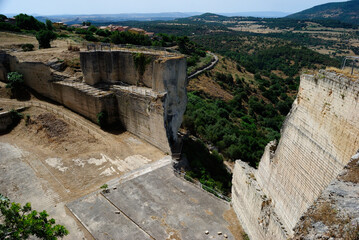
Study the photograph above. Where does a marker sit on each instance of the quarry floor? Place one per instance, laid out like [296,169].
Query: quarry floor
[58,160]
[154,205]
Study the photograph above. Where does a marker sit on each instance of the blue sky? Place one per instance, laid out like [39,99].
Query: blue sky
[51,7]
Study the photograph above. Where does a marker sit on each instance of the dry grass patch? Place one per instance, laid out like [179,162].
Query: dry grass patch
[346,72]
[352,175]
[325,213]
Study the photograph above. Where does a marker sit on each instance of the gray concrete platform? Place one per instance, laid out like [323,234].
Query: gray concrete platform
[155,205]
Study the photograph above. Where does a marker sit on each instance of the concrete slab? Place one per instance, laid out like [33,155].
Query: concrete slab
[96,210]
[158,203]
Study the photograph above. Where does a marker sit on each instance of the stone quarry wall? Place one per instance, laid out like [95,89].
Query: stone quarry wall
[115,66]
[54,85]
[154,104]
[152,111]
[319,136]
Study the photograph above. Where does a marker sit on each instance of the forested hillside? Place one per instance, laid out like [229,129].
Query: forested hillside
[343,11]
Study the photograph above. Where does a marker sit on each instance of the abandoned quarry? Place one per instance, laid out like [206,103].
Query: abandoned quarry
[102,136]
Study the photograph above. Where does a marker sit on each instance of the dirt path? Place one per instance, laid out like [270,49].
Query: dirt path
[206,68]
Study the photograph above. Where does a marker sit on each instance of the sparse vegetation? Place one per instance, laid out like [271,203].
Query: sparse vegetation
[27,47]
[105,188]
[102,119]
[141,61]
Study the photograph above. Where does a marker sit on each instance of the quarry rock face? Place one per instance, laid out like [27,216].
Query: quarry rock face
[144,92]
[335,214]
[319,136]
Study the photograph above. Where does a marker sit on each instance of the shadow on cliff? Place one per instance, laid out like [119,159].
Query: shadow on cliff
[115,128]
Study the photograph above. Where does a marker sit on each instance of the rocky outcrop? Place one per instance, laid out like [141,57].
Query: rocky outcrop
[149,102]
[319,136]
[335,214]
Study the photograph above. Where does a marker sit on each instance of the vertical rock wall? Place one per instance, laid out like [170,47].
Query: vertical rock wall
[319,136]
[151,106]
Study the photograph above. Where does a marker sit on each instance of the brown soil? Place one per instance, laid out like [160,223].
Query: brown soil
[234,225]
[352,175]
[12,42]
[54,128]
[46,135]
[4,92]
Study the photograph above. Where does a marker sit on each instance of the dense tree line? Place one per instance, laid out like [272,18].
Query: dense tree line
[206,166]
[257,53]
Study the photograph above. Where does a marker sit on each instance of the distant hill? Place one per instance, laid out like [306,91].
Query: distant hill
[343,11]
[207,17]
[256,14]
[227,16]
[101,18]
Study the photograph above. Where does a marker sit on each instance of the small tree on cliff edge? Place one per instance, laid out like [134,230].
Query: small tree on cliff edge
[18,222]
[44,37]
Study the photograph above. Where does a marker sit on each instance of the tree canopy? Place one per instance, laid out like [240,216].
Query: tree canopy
[27,22]
[44,37]
[21,222]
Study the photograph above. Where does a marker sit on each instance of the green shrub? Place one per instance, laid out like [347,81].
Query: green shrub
[90,37]
[15,80]
[27,47]
[103,33]
[9,27]
[102,119]
[44,37]
[81,31]
[49,25]
[141,61]
[27,119]
[92,29]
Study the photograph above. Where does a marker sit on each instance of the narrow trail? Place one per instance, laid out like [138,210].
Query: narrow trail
[206,68]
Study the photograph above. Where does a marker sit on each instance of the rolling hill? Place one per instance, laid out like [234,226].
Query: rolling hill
[343,11]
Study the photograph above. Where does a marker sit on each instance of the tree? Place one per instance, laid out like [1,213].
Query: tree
[21,222]
[2,18]
[44,37]
[49,25]
[27,22]
[92,29]
[15,82]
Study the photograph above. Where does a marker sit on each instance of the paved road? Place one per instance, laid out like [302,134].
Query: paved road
[207,68]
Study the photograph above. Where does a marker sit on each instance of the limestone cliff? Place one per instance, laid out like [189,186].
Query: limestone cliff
[149,104]
[319,136]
